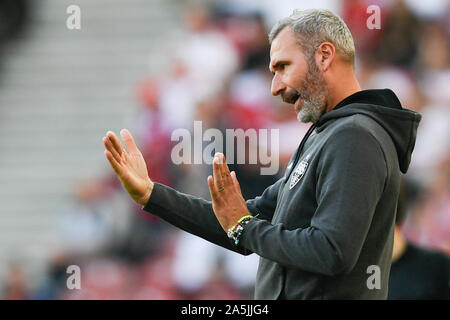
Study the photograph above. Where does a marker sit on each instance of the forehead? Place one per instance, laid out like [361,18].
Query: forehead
[284,46]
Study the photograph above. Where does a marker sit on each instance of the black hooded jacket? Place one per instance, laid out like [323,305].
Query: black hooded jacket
[325,229]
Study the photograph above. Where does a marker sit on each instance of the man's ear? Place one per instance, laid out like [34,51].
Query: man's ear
[325,55]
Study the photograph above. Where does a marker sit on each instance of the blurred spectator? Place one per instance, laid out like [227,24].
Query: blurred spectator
[16,287]
[247,32]
[433,65]
[399,80]
[205,52]
[55,283]
[416,273]
[355,15]
[83,226]
[432,145]
[152,136]
[202,61]
[401,31]
[429,224]
[429,10]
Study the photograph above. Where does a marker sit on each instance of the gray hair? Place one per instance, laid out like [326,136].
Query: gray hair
[315,26]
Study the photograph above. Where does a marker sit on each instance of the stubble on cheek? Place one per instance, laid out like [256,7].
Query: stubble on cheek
[313,95]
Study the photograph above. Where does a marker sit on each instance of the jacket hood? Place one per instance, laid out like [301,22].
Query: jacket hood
[385,108]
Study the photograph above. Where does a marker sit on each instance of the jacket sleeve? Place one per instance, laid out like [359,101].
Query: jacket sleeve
[350,179]
[196,216]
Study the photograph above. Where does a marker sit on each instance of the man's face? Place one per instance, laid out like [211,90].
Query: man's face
[296,78]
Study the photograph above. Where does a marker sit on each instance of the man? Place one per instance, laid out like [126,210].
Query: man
[417,273]
[330,218]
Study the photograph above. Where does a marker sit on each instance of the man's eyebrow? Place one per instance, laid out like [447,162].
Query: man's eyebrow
[277,64]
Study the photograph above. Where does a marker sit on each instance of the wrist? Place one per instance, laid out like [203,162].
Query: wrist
[233,226]
[148,192]
[234,233]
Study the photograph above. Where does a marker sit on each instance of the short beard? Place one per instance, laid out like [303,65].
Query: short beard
[313,93]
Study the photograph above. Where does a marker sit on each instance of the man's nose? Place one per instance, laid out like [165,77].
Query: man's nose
[277,85]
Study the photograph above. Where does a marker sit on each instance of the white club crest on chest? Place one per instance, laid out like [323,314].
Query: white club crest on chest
[299,172]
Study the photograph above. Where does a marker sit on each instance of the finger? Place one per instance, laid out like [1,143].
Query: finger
[220,156]
[111,149]
[235,181]
[216,173]
[224,171]
[212,189]
[115,142]
[114,164]
[225,165]
[129,141]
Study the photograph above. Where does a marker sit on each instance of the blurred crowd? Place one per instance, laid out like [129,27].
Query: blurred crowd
[216,71]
